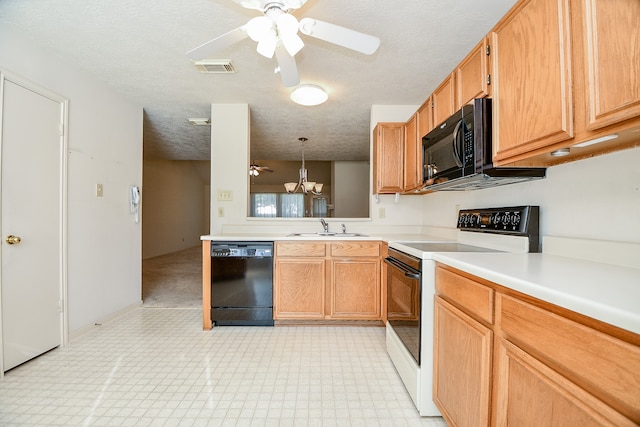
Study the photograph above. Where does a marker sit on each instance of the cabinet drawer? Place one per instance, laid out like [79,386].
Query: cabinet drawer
[472,297]
[300,249]
[355,248]
[605,366]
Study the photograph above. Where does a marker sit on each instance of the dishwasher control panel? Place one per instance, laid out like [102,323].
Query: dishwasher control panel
[241,250]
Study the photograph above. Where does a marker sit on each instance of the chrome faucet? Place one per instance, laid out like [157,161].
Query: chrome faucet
[324,225]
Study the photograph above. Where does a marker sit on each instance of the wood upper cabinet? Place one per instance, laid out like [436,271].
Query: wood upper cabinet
[444,100]
[388,155]
[532,80]
[472,75]
[611,40]
[412,170]
[327,280]
[425,118]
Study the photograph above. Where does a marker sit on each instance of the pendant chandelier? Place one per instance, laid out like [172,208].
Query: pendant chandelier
[303,183]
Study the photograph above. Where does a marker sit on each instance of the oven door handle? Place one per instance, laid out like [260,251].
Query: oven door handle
[407,272]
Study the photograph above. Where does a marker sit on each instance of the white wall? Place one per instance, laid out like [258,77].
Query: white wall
[597,198]
[174,206]
[105,146]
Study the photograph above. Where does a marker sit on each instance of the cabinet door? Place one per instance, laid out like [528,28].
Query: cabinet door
[472,75]
[612,43]
[532,87]
[412,155]
[355,289]
[528,393]
[299,286]
[444,101]
[425,119]
[388,149]
[462,367]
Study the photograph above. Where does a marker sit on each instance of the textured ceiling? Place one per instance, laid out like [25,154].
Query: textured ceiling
[138,48]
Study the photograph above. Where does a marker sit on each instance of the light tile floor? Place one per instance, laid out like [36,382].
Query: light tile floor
[156,367]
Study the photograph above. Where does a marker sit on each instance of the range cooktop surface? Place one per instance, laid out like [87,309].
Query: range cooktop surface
[445,247]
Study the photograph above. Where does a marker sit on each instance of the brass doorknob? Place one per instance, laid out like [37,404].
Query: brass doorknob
[13,240]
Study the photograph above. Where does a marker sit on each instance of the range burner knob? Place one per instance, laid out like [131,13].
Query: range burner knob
[506,218]
[515,219]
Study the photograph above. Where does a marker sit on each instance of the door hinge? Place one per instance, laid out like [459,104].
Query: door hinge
[488,50]
[60,306]
[488,79]
[61,129]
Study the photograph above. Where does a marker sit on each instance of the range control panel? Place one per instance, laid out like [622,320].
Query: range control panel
[519,220]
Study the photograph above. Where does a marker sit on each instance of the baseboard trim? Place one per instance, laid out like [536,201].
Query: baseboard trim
[323,322]
[78,333]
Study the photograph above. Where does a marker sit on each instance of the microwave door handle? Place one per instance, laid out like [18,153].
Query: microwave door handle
[456,152]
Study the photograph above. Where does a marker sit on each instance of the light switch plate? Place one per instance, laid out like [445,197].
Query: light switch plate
[225,195]
[99,190]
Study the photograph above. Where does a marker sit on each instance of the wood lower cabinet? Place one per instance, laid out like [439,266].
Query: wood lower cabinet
[300,288]
[529,393]
[462,366]
[525,362]
[328,280]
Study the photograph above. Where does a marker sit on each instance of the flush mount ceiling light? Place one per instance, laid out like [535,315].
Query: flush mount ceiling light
[200,122]
[306,186]
[309,95]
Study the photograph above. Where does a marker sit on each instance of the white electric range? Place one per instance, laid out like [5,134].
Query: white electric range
[411,287]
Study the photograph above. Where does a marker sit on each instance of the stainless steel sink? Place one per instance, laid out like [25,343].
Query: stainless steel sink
[323,234]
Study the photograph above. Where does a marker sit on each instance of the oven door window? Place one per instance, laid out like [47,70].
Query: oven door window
[403,308]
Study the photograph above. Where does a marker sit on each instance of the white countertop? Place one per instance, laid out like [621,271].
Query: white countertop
[604,292]
[601,290]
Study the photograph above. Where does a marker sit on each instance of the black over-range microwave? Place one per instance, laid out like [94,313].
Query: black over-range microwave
[457,154]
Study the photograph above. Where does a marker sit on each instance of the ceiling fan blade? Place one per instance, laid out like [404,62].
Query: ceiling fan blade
[288,67]
[210,48]
[345,37]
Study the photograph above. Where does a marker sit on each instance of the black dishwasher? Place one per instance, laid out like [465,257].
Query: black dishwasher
[242,283]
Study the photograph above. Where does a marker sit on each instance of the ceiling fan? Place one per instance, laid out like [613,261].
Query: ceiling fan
[254,169]
[276,32]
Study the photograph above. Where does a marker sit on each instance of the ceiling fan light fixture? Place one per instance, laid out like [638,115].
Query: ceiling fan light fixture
[267,46]
[309,95]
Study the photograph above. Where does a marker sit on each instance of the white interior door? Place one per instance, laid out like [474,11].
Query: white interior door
[31,290]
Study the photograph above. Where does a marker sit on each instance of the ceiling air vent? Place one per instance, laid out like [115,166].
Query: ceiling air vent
[219,66]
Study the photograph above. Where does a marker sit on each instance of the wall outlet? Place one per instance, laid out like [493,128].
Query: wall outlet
[225,195]
[381,213]
[220,211]
[99,190]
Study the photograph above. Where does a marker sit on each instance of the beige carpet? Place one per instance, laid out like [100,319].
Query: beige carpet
[173,280]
